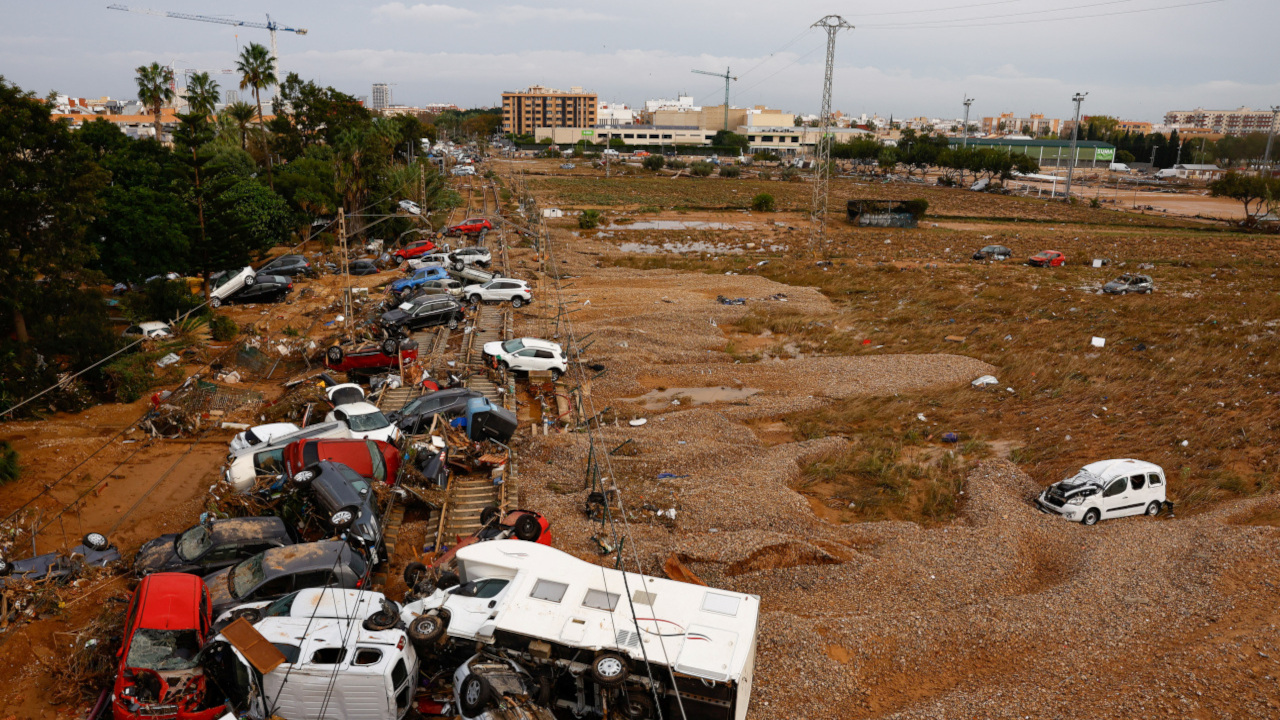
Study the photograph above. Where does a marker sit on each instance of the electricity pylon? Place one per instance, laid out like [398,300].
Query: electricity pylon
[822,149]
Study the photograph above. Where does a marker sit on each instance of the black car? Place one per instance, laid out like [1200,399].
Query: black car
[426,311]
[290,265]
[993,252]
[265,288]
[416,415]
[211,545]
[362,267]
[93,551]
[343,500]
[277,572]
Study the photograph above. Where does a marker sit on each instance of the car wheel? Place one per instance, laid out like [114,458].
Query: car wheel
[457,267]
[304,477]
[609,669]
[413,573]
[448,580]
[250,280]
[639,706]
[504,365]
[384,619]
[474,695]
[475,299]
[427,630]
[389,347]
[5,567]
[215,303]
[250,615]
[453,323]
[489,514]
[1153,509]
[1091,518]
[528,528]
[555,374]
[343,518]
[335,355]
[517,302]
[96,542]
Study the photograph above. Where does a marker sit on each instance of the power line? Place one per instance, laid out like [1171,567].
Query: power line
[945,25]
[1016,14]
[943,9]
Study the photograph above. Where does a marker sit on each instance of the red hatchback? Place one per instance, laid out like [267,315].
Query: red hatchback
[370,360]
[159,674]
[413,250]
[1048,258]
[470,226]
[371,459]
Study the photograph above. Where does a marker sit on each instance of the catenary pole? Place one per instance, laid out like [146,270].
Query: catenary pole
[832,24]
[1075,134]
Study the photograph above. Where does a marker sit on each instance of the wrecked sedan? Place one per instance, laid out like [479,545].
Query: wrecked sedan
[93,551]
[371,459]
[280,571]
[1047,258]
[993,252]
[344,502]
[1107,489]
[416,415]
[1129,283]
[211,546]
[160,675]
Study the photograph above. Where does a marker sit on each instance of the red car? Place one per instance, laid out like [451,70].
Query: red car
[168,622]
[372,459]
[370,360]
[1048,258]
[521,524]
[470,226]
[413,250]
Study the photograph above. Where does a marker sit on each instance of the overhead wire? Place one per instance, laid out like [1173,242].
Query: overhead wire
[968,22]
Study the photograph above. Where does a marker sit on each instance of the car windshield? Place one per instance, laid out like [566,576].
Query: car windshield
[365,423]
[379,465]
[226,278]
[357,481]
[194,542]
[246,576]
[163,649]
[513,345]
[280,607]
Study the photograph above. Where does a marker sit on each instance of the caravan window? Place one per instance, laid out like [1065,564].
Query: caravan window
[601,600]
[367,656]
[723,604]
[329,655]
[549,590]
[290,652]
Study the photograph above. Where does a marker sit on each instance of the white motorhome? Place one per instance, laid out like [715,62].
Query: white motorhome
[343,655]
[625,636]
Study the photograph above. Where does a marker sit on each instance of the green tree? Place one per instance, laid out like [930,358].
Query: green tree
[242,113]
[654,162]
[726,138]
[202,95]
[702,168]
[763,203]
[257,72]
[1253,191]
[155,90]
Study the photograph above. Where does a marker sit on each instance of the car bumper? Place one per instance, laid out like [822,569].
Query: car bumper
[1066,512]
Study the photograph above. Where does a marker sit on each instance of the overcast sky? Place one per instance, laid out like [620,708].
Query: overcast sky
[908,58]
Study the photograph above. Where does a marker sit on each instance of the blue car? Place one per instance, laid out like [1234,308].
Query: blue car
[418,278]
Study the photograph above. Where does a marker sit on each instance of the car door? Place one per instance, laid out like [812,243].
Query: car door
[472,604]
[545,359]
[1140,494]
[1115,498]
[526,360]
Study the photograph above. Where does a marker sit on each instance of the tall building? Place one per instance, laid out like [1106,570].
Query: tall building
[1009,124]
[1240,121]
[538,106]
[233,96]
[381,96]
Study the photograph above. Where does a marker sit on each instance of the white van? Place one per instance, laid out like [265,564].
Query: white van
[1120,167]
[539,606]
[343,655]
[1105,490]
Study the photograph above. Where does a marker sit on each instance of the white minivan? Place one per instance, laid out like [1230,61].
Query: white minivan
[1107,489]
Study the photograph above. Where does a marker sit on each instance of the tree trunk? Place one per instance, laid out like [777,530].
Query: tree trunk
[159,132]
[20,325]
[204,242]
[266,146]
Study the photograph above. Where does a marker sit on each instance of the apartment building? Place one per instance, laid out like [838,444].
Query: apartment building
[1240,121]
[381,98]
[1033,124]
[525,110]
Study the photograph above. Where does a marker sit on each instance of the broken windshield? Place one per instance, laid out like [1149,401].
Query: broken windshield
[1084,477]
[512,345]
[246,576]
[283,606]
[163,649]
[194,542]
[368,422]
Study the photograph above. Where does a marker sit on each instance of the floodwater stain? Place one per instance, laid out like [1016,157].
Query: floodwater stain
[659,399]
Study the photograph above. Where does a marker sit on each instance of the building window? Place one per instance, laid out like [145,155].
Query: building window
[666,137]
[766,138]
[630,136]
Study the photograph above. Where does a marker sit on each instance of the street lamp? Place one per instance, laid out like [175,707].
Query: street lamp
[1075,133]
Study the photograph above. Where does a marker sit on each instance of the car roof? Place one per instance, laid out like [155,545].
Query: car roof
[357,408]
[303,556]
[330,602]
[1107,469]
[154,325]
[169,601]
[530,342]
[250,528]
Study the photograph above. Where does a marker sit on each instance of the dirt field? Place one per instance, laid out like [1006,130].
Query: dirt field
[901,576]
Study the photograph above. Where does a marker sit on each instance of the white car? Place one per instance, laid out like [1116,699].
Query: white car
[366,422]
[1105,490]
[261,434]
[148,331]
[471,256]
[525,354]
[500,290]
[410,207]
[244,467]
[430,260]
[227,283]
[463,170]
[344,394]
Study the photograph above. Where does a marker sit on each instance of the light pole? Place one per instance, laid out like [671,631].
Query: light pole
[967,102]
[1266,159]
[1075,133]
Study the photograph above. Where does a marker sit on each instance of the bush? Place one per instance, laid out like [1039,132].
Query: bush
[917,207]
[130,377]
[702,169]
[730,171]
[158,300]
[765,156]
[653,162]
[9,468]
[589,219]
[762,203]
[223,328]
[789,174]
[764,175]
[674,164]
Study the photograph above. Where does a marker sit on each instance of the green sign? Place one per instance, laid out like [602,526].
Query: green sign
[1105,154]
[588,132]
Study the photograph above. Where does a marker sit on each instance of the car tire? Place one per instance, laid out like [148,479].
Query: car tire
[474,695]
[448,580]
[528,528]
[250,615]
[453,323]
[1091,518]
[504,365]
[517,302]
[384,619]
[250,280]
[96,541]
[489,514]
[335,355]
[426,631]
[1153,509]
[609,669]
[639,706]
[345,517]
[555,374]
[475,299]
[458,266]
[215,303]
[413,573]
[5,567]
[304,477]
[389,347]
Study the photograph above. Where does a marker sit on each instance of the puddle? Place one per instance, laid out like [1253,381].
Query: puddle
[659,399]
[698,246]
[676,225]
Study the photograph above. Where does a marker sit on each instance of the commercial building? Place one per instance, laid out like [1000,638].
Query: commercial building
[614,114]
[1048,152]
[784,140]
[525,110]
[381,97]
[1240,121]
[1008,123]
[681,103]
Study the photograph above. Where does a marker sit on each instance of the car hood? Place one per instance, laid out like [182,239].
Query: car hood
[1114,285]
[493,348]
[157,555]
[402,283]
[1080,484]
[394,317]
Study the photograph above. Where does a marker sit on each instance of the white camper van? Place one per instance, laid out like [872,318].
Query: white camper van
[623,637]
[343,657]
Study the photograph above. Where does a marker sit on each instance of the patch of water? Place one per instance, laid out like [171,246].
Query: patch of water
[680,247]
[676,225]
[659,399]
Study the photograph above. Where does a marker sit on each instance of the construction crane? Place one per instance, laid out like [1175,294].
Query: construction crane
[270,24]
[727,77]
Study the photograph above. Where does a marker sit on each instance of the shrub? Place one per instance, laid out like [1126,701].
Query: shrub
[730,171]
[130,377]
[589,219]
[789,174]
[653,162]
[765,156]
[917,207]
[764,175]
[762,203]
[674,164]
[223,328]
[9,468]
[702,169]
[158,300]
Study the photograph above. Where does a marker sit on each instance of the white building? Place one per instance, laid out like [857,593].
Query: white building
[614,114]
[682,103]
[381,97]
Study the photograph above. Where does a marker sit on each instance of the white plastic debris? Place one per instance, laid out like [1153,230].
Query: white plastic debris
[340,318]
[1184,443]
[638,422]
[985,380]
[921,417]
[167,360]
[1099,342]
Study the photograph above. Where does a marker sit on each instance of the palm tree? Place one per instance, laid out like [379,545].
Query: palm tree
[155,89]
[202,94]
[242,113]
[258,71]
